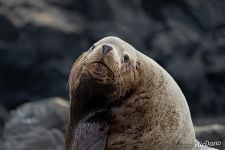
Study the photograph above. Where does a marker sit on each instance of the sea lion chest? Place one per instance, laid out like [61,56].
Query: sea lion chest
[90,134]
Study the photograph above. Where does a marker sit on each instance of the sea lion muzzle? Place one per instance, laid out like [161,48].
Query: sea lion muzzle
[98,71]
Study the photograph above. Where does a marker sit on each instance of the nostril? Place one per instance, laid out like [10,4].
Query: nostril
[106,48]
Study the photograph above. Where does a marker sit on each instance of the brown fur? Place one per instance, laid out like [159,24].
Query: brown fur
[145,107]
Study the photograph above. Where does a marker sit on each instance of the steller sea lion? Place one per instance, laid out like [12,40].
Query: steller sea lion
[121,99]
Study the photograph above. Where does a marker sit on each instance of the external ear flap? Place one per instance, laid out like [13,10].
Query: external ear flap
[137,65]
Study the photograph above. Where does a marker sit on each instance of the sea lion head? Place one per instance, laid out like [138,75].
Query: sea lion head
[108,70]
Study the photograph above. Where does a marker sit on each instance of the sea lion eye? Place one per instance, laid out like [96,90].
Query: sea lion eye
[126,58]
[93,46]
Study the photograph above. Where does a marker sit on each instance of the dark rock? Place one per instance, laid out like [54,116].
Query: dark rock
[64,3]
[41,44]
[9,32]
[203,121]
[41,13]
[120,22]
[212,55]
[49,113]
[3,117]
[209,13]
[176,17]
[38,139]
[166,44]
[179,39]
[37,125]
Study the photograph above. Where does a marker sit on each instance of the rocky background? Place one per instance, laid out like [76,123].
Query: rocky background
[40,40]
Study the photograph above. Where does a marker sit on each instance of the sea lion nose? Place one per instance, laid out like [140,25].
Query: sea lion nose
[106,48]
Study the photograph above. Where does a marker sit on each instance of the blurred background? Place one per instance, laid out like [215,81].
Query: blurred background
[41,39]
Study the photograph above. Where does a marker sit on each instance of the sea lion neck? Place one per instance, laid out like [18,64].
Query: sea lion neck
[89,105]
